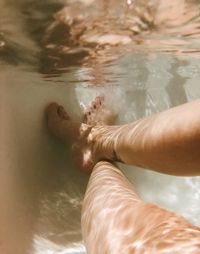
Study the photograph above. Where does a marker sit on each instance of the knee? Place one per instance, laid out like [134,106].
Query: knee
[107,167]
[102,164]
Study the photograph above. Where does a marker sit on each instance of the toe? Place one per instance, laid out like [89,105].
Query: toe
[52,108]
[87,115]
[93,105]
[54,121]
[55,111]
[99,100]
[62,113]
[84,118]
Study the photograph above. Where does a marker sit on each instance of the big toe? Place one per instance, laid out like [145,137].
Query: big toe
[62,113]
[52,109]
[56,118]
[56,112]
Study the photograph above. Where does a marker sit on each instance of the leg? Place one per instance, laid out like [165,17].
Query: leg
[168,142]
[116,220]
[107,196]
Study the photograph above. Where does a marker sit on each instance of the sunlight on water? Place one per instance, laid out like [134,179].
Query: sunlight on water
[43,246]
[143,58]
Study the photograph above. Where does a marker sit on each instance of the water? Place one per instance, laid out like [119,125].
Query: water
[150,62]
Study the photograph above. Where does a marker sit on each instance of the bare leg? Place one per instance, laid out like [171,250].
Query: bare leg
[168,142]
[116,220]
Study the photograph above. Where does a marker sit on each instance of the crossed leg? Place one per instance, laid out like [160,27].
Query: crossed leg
[114,218]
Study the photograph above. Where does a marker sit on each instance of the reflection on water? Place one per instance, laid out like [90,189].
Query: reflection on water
[147,57]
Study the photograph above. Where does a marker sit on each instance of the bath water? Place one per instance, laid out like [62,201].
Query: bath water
[139,73]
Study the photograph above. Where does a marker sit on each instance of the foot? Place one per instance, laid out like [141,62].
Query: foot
[60,123]
[98,114]
[76,135]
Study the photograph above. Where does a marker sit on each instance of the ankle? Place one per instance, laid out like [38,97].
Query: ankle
[102,142]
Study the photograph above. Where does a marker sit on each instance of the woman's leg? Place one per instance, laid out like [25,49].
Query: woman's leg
[116,220]
[168,142]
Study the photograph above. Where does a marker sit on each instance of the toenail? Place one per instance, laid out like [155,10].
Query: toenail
[60,109]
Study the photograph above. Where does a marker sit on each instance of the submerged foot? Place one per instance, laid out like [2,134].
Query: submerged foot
[98,114]
[76,134]
[60,123]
